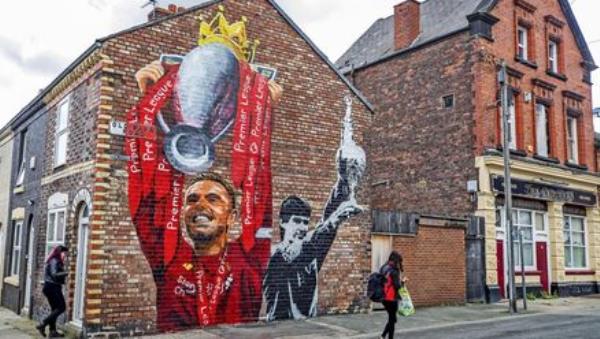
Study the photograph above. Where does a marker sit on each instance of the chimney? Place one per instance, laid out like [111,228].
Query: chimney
[407,23]
[159,12]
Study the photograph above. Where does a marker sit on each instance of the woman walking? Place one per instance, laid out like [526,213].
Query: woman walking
[394,281]
[54,278]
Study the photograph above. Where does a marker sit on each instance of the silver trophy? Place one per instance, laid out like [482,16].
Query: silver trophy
[351,158]
[206,92]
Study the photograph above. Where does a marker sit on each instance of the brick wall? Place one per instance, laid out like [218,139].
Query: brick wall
[35,127]
[422,150]
[306,130]
[434,263]
[554,95]
[69,179]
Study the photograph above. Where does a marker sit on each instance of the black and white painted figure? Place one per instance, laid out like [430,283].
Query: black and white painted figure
[290,286]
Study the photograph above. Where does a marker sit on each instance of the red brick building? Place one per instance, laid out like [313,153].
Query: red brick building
[430,70]
[279,229]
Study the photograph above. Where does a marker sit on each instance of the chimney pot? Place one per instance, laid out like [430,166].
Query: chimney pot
[407,23]
[172,8]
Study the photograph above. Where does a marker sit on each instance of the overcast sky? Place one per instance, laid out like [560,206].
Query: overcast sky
[38,39]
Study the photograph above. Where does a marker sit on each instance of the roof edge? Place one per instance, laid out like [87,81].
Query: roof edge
[36,102]
[565,6]
[314,47]
[411,49]
[361,37]
[160,20]
[579,38]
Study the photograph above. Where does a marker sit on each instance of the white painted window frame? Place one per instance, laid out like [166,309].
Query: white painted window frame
[522,42]
[541,131]
[572,146]
[62,132]
[585,243]
[17,246]
[516,224]
[50,243]
[23,156]
[553,56]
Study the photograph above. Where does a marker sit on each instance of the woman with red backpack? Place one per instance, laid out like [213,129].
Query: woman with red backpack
[393,272]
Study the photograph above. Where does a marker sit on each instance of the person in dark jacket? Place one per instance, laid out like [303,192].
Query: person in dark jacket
[393,271]
[54,278]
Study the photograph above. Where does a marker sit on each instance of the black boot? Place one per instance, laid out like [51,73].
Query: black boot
[42,329]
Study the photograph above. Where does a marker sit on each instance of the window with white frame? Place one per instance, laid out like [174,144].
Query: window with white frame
[512,123]
[523,220]
[22,161]
[62,132]
[541,130]
[553,56]
[522,48]
[540,222]
[572,140]
[16,248]
[56,229]
[575,242]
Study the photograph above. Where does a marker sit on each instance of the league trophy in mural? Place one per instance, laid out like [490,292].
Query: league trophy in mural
[188,103]
[290,286]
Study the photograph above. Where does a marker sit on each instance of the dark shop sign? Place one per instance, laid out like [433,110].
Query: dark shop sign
[539,191]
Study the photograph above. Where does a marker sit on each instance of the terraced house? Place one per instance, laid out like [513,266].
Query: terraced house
[204,167]
[430,70]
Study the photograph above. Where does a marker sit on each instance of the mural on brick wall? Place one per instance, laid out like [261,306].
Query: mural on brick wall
[184,213]
[290,284]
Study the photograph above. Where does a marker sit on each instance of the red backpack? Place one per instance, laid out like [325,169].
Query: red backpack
[389,290]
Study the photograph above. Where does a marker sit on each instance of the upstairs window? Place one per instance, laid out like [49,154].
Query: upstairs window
[512,124]
[542,135]
[22,153]
[553,56]
[16,249]
[572,147]
[62,133]
[522,42]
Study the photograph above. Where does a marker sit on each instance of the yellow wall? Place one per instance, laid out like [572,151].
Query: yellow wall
[493,165]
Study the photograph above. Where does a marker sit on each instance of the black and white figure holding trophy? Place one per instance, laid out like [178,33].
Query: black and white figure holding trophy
[290,284]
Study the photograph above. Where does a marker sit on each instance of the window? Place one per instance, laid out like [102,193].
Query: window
[22,152]
[448,101]
[575,242]
[523,219]
[499,218]
[56,229]
[16,248]
[553,56]
[540,222]
[522,51]
[572,140]
[542,132]
[62,133]
[512,124]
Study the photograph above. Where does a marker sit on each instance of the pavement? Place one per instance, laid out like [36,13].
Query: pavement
[553,318]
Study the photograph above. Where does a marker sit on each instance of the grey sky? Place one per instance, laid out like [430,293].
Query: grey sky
[38,39]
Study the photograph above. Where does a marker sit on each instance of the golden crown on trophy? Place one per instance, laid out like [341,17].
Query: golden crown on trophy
[218,30]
